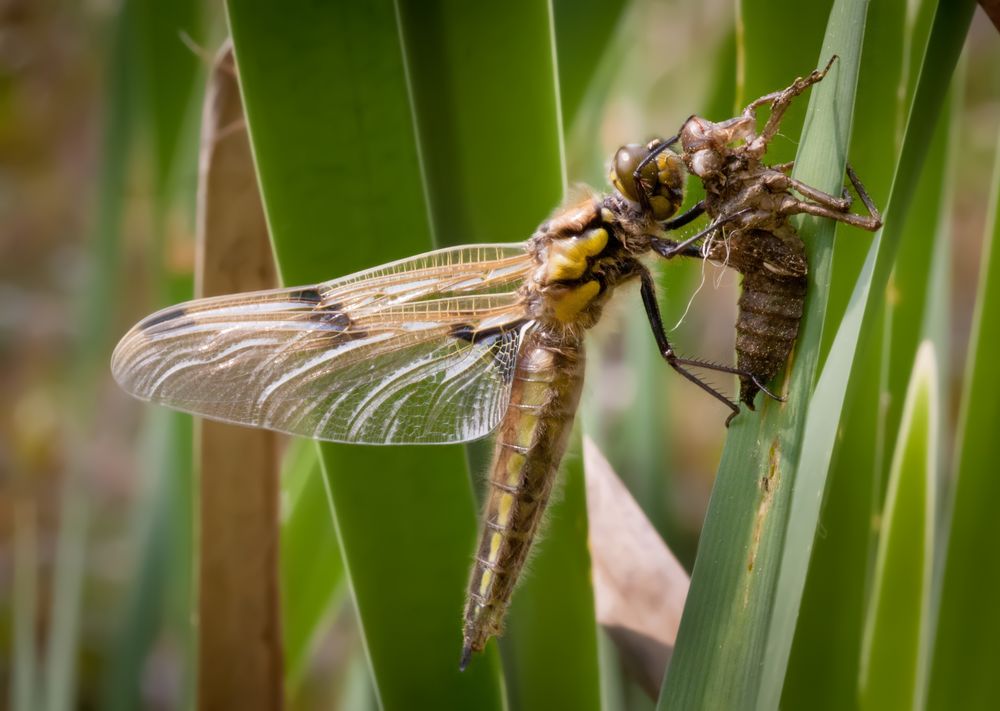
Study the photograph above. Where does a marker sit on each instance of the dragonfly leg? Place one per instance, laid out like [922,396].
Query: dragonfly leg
[666,350]
[669,248]
[693,213]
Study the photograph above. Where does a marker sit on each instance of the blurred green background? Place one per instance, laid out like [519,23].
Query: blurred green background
[99,121]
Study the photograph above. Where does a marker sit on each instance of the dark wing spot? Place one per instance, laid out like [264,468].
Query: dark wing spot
[309,296]
[337,321]
[463,332]
[466,332]
[162,317]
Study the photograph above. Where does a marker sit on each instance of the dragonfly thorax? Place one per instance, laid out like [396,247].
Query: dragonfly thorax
[582,253]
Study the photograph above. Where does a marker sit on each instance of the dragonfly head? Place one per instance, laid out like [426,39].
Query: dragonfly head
[660,185]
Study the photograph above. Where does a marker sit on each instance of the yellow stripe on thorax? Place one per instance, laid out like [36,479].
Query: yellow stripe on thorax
[568,304]
[567,257]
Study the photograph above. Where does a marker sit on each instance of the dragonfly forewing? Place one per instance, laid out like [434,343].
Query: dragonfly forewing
[420,351]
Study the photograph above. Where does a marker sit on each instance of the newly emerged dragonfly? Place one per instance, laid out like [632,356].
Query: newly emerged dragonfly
[443,347]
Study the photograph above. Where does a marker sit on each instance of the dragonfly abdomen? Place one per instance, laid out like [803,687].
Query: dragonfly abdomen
[529,445]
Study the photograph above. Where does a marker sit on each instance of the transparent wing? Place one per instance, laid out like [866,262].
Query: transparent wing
[418,351]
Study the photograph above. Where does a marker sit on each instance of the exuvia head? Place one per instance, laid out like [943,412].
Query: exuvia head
[705,143]
[660,173]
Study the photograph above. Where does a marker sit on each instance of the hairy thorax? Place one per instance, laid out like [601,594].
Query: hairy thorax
[582,253]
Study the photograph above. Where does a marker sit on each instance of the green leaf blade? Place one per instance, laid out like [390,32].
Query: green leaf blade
[963,672]
[487,115]
[325,97]
[328,112]
[821,425]
[824,666]
[728,624]
[312,573]
[465,65]
[898,621]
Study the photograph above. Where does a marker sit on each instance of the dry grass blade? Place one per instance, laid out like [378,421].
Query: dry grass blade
[239,641]
[639,587]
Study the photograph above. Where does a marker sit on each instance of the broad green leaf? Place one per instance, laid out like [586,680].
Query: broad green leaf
[823,668]
[875,143]
[328,112]
[463,204]
[312,573]
[465,66]
[583,32]
[552,616]
[847,354]
[963,671]
[922,261]
[897,625]
[727,623]
[476,72]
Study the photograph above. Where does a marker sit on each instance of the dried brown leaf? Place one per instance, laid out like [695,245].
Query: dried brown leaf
[992,10]
[639,586]
[239,637]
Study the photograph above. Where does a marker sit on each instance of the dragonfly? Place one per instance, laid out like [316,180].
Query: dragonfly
[443,347]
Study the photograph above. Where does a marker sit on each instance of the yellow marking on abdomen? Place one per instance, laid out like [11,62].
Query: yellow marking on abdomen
[484,582]
[495,541]
[504,508]
[525,430]
[569,304]
[515,463]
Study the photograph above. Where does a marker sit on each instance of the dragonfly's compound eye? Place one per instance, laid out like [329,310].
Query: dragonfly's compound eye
[623,167]
[660,186]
